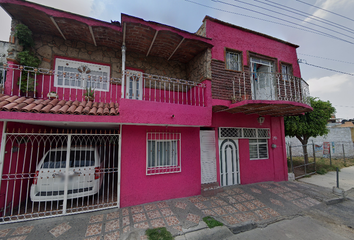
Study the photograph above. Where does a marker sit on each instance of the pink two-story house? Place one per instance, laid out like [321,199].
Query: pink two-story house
[124,113]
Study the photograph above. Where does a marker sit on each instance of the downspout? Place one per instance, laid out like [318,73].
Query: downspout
[123,63]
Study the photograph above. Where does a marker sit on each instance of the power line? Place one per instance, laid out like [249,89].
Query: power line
[262,19]
[267,9]
[327,34]
[329,69]
[325,58]
[305,14]
[326,10]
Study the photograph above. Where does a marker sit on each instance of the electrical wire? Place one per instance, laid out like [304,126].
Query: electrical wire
[272,11]
[329,69]
[326,10]
[305,14]
[262,19]
[327,34]
[325,58]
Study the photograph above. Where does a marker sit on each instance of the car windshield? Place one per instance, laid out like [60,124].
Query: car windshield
[78,158]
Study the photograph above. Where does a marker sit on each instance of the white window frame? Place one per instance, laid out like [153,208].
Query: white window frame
[233,60]
[81,79]
[230,132]
[286,71]
[134,84]
[258,144]
[163,166]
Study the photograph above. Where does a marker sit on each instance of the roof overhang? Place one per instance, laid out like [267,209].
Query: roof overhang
[145,37]
[263,107]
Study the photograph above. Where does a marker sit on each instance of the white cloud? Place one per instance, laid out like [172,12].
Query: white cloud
[328,84]
[82,7]
[328,5]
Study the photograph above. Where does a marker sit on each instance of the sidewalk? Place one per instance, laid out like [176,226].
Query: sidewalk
[329,180]
[236,207]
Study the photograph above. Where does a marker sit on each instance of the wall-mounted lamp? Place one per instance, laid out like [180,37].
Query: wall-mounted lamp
[274,146]
[261,120]
[172,116]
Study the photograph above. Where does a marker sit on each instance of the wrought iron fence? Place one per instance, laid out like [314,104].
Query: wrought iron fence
[305,160]
[270,86]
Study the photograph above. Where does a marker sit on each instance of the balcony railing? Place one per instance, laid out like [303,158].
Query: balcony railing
[270,86]
[45,83]
[149,87]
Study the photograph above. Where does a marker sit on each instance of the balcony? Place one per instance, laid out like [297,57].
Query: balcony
[265,93]
[39,83]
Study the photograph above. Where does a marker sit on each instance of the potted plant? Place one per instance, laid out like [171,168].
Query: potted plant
[27,59]
[89,94]
[52,95]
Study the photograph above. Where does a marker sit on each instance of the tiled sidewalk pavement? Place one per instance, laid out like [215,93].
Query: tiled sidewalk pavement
[236,205]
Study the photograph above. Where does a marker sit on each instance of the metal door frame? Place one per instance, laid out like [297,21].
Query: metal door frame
[220,143]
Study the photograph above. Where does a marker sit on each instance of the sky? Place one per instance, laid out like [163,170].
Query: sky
[334,52]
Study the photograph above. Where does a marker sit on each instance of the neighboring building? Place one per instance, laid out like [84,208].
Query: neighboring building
[170,111]
[339,138]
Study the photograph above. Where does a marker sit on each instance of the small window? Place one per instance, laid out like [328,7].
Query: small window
[233,61]
[286,71]
[81,75]
[163,153]
[258,149]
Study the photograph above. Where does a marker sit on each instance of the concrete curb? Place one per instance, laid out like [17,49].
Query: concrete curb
[334,201]
[243,228]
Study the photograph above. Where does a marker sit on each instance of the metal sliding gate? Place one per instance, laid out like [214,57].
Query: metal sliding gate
[51,173]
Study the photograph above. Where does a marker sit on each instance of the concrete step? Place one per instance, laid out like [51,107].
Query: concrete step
[210,189]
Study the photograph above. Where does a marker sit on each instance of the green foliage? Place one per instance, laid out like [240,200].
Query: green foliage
[24,79]
[211,222]
[90,93]
[158,234]
[26,58]
[24,35]
[311,124]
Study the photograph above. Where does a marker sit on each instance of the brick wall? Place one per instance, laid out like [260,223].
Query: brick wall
[221,84]
[199,68]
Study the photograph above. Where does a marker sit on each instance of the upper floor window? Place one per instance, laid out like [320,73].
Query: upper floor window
[233,60]
[81,75]
[286,71]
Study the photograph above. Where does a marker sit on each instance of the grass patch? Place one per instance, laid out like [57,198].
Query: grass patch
[158,234]
[211,222]
[322,164]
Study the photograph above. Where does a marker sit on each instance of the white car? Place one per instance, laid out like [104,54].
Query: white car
[85,175]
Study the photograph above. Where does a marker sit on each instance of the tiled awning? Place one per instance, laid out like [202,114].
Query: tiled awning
[23,104]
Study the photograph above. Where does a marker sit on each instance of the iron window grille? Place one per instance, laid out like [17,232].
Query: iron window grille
[233,61]
[163,153]
[258,149]
[248,133]
[81,75]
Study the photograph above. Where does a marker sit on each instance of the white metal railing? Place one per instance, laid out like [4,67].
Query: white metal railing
[149,87]
[269,86]
[40,83]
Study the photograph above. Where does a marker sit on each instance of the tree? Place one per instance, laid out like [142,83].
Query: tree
[311,124]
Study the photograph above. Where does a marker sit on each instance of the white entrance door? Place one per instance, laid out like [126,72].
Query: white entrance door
[262,79]
[229,164]
[134,84]
[208,156]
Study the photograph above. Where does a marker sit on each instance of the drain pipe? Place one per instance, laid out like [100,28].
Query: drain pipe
[123,63]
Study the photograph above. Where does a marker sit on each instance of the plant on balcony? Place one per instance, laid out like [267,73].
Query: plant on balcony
[89,94]
[26,58]
[52,95]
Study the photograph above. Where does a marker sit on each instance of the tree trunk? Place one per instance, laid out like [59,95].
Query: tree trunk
[304,142]
[306,155]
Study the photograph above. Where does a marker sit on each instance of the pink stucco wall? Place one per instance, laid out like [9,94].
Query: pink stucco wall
[137,187]
[251,171]
[224,36]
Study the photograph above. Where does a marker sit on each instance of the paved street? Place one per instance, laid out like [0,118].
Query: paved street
[258,204]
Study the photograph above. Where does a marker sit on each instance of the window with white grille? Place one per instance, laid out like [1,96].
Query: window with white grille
[233,60]
[248,133]
[163,153]
[81,75]
[258,149]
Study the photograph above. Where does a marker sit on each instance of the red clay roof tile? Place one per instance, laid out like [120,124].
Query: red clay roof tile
[23,104]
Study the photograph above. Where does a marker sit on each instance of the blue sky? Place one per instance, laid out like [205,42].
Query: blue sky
[335,87]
